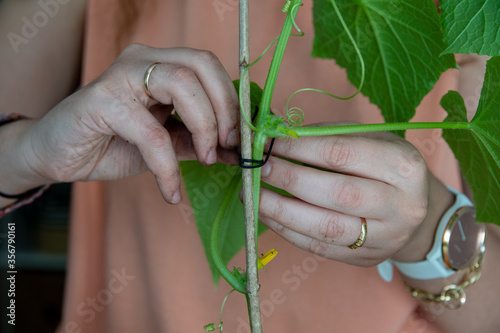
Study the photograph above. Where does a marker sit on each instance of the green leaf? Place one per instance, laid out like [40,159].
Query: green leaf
[400,42]
[471,26]
[205,187]
[210,327]
[478,147]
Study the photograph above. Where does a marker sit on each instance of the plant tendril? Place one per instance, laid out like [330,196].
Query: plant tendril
[286,9]
[286,6]
[295,116]
[300,32]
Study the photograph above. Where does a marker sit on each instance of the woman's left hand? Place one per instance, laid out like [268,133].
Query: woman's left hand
[378,176]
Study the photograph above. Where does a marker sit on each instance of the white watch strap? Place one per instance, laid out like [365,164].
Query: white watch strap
[433,267]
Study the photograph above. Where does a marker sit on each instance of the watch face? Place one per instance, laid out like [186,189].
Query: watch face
[463,239]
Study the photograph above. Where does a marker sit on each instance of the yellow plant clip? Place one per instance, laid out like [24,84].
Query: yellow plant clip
[266,258]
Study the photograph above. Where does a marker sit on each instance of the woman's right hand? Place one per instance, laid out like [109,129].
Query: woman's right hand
[111,129]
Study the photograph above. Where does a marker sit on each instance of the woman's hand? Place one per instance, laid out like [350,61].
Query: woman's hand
[111,129]
[378,176]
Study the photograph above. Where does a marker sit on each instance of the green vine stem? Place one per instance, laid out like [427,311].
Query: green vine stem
[214,237]
[347,129]
[265,105]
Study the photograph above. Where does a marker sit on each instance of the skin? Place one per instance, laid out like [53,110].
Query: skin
[110,129]
[392,193]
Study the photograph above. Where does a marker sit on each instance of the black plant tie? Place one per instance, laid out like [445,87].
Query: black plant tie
[256,163]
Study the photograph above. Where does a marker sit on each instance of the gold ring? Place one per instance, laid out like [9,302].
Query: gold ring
[362,236]
[146,79]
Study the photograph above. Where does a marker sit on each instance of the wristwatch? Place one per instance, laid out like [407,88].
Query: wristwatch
[458,241]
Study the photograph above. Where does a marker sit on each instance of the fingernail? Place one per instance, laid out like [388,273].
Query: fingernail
[266,169]
[233,139]
[212,157]
[177,197]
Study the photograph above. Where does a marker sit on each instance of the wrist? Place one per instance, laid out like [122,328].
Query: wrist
[422,239]
[18,175]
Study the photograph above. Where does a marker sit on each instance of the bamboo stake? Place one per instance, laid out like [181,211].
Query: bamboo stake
[246,152]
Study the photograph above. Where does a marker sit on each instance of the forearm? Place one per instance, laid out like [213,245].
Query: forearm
[16,162]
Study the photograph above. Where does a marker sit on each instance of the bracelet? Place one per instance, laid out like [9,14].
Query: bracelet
[26,197]
[22,195]
[24,201]
[452,296]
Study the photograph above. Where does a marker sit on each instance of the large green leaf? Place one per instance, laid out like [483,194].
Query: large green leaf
[400,41]
[205,187]
[471,26]
[478,147]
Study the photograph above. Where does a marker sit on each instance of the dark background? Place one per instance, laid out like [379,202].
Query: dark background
[41,246]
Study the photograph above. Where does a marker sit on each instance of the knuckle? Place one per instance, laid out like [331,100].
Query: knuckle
[411,164]
[206,57]
[288,180]
[339,153]
[209,127]
[347,194]
[318,247]
[330,228]
[284,147]
[277,211]
[182,75]
[132,50]
[418,211]
[155,134]
[171,176]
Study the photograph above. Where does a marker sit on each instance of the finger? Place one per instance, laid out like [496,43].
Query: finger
[140,128]
[342,193]
[312,221]
[179,86]
[361,257]
[219,88]
[183,144]
[213,78]
[383,156]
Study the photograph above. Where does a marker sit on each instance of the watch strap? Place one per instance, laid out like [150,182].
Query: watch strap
[433,267]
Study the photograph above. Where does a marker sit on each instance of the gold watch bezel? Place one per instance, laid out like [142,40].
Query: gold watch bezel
[447,235]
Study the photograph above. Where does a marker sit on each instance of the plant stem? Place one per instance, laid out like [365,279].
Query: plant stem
[346,129]
[214,237]
[265,104]
[253,286]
